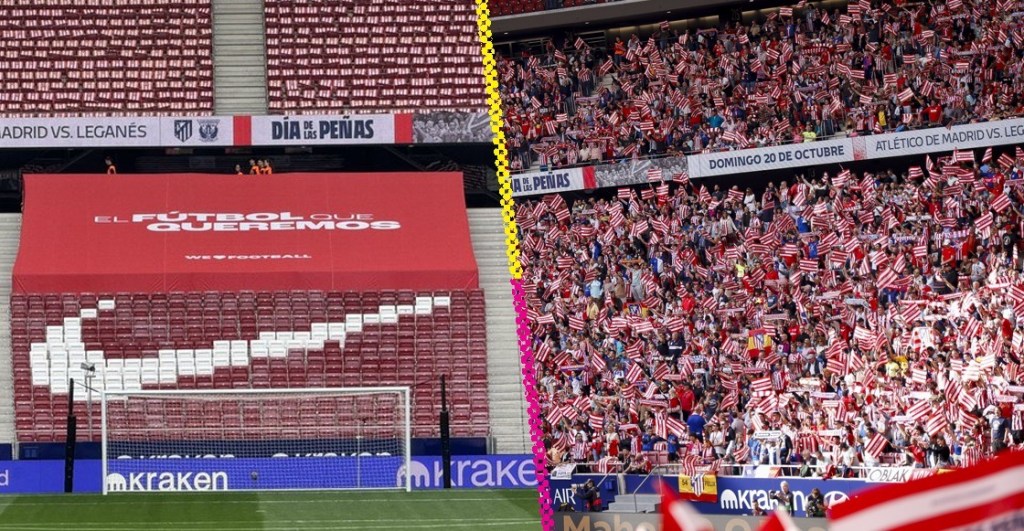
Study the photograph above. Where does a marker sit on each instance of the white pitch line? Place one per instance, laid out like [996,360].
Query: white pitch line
[165,501]
[410,523]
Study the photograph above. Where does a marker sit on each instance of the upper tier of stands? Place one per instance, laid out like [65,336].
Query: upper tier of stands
[382,56]
[799,74]
[83,57]
[873,318]
[517,7]
[250,340]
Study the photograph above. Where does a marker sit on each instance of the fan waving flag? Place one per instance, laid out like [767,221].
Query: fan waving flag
[679,515]
[988,496]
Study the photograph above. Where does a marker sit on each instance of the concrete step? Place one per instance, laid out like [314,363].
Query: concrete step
[239,57]
[635,503]
[238,17]
[509,423]
[10,236]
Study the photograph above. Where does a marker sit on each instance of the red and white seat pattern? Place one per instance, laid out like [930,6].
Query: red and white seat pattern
[517,7]
[100,57]
[247,340]
[381,56]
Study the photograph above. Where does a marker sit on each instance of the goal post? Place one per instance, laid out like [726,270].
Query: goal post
[355,438]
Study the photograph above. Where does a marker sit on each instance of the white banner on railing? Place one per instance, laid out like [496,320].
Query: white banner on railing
[770,158]
[144,131]
[550,182]
[79,132]
[939,139]
[896,474]
[334,130]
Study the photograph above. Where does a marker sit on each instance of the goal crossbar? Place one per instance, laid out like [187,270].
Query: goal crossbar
[402,431]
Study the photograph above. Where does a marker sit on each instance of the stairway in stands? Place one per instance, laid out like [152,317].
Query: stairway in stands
[509,420]
[10,233]
[239,58]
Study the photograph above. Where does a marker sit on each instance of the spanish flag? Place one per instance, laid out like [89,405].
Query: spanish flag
[759,342]
[699,488]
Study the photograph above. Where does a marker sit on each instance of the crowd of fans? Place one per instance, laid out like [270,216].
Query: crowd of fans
[828,324]
[801,74]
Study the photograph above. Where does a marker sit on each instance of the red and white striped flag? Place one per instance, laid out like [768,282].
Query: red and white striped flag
[761,386]
[875,446]
[778,521]
[1005,160]
[963,156]
[887,278]
[676,426]
[920,411]
[741,454]
[636,374]
[984,222]
[987,157]
[936,423]
[988,496]
[679,515]
[1001,203]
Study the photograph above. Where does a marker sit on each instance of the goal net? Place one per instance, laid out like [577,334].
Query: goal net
[255,439]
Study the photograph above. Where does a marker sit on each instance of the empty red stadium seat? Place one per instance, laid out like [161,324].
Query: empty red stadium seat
[131,66]
[423,45]
[388,354]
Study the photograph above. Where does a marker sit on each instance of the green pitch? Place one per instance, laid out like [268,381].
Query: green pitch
[488,510]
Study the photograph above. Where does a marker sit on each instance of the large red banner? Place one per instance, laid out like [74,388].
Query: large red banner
[190,232]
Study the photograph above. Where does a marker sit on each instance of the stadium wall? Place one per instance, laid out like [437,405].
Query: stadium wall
[39,477]
[652,522]
[788,156]
[243,131]
[735,495]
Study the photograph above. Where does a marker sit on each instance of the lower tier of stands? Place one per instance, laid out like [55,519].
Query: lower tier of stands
[249,340]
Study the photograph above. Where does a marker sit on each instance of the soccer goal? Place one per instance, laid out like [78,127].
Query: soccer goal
[255,439]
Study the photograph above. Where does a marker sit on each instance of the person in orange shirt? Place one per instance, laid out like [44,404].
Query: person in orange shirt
[265,168]
[620,51]
[254,168]
[238,169]
[111,169]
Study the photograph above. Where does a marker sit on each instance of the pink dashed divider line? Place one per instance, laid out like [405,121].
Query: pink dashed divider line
[533,405]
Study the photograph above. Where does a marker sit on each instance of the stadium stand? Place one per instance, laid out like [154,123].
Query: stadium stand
[103,58]
[515,7]
[869,318]
[402,57]
[214,340]
[801,73]
[225,337]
